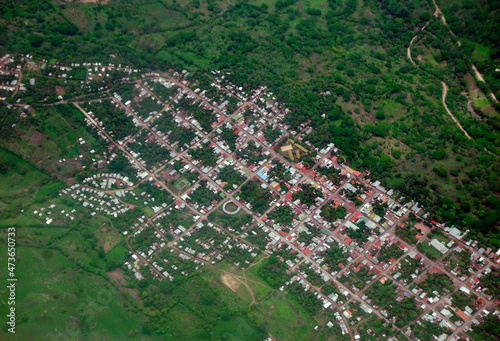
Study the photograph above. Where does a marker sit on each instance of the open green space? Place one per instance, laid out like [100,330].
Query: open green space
[57,299]
[429,251]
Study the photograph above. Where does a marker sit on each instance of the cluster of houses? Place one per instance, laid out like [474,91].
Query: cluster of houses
[204,242]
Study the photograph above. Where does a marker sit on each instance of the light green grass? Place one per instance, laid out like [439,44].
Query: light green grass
[55,297]
[480,102]
[430,251]
[149,211]
[281,318]
[20,180]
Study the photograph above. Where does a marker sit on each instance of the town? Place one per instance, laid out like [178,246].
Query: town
[197,170]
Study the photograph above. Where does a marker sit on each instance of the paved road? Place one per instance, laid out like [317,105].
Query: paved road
[305,177]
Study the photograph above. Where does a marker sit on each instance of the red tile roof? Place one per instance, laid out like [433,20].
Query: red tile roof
[463,315]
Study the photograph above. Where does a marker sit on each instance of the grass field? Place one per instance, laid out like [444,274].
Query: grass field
[19,180]
[481,102]
[57,300]
[284,318]
[149,211]
[202,302]
[429,250]
[107,236]
[237,328]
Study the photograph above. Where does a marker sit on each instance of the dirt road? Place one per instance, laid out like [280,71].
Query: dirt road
[480,77]
[443,97]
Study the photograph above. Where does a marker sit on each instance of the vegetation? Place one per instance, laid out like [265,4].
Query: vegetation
[307,195]
[439,283]
[258,197]
[236,222]
[114,120]
[335,256]
[231,176]
[183,136]
[274,272]
[203,195]
[340,72]
[330,213]
[428,250]
[491,281]
[386,253]
[373,90]
[487,330]
[205,155]
[332,173]
[229,136]
[272,134]
[282,215]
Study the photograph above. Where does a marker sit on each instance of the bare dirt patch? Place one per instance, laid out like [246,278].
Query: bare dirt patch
[423,228]
[107,237]
[117,276]
[230,282]
[36,138]
[471,82]
[60,90]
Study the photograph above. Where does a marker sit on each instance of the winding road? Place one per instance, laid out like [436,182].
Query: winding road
[443,98]
[437,14]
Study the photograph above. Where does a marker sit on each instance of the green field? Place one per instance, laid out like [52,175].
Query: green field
[56,299]
[19,180]
[237,328]
[481,102]
[284,318]
[429,250]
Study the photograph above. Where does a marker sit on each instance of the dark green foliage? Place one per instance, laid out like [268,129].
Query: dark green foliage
[282,215]
[271,133]
[305,298]
[307,195]
[332,174]
[492,282]
[334,256]
[161,195]
[439,154]
[235,222]
[306,237]
[379,208]
[204,116]
[386,253]
[488,330]
[113,119]
[258,197]
[427,330]
[361,234]
[405,311]
[252,153]
[203,196]
[436,282]
[121,165]
[331,214]
[231,176]
[462,300]
[205,154]
[381,294]
[151,152]
[229,136]
[274,272]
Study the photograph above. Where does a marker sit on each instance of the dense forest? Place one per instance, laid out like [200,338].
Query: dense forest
[340,63]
